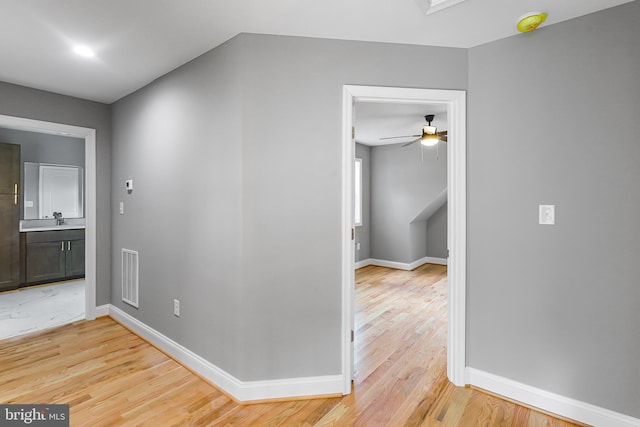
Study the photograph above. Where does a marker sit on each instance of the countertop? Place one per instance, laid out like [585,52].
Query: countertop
[28,226]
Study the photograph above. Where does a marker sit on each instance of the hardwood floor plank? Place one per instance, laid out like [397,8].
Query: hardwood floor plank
[111,377]
[334,416]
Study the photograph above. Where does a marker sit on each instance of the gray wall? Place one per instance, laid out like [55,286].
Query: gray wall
[553,119]
[417,237]
[403,183]
[41,148]
[261,287]
[29,103]
[45,148]
[437,246]
[180,141]
[363,232]
[250,133]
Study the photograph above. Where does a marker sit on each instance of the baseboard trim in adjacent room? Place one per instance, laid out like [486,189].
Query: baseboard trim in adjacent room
[434,260]
[547,401]
[400,265]
[363,263]
[242,391]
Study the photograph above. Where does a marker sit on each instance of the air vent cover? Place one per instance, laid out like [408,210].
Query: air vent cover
[130,277]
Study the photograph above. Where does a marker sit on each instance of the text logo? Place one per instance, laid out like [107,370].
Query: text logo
[34,415]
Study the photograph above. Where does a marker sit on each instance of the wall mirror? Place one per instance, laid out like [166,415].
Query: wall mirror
[53,188]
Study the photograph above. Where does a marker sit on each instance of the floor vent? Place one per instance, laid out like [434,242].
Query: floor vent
[130,277]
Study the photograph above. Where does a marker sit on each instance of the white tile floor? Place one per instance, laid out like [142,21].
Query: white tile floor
[41,307]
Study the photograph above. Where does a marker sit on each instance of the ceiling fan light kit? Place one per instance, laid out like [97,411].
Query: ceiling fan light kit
[429,137]
[531,21]
[429,140]
[429,134]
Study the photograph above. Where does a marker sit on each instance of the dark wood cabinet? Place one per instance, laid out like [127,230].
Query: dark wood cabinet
[52,256]
[75,258]
[9,216]
[46,262]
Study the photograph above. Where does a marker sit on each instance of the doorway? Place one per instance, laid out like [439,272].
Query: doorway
[455,103]
[89,136]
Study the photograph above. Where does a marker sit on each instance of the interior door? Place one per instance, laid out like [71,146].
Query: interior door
[9,216]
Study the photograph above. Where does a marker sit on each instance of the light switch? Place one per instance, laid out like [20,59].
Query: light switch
[176,308]
[128,184]
[121,208]
[547,214]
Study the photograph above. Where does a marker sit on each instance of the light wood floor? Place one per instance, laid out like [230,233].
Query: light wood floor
[111,377]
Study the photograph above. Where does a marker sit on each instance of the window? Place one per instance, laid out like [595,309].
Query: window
[358,192]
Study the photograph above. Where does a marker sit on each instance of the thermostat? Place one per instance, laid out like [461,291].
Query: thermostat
[128,184]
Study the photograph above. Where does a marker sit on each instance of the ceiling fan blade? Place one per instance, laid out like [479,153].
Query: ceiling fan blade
[396,137]
[412,142]
[442,133]
[443,138]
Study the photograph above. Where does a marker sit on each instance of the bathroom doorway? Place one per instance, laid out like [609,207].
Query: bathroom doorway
[79,293]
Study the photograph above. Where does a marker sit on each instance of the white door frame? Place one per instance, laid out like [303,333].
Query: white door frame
[89,136]
[455,101]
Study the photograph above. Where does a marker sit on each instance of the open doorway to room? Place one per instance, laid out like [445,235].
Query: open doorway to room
[451,104]
[55,282]
[400,191]
[400,206]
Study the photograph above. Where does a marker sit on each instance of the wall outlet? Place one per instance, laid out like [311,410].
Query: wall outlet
[121,208]
[357,246]
[176,308]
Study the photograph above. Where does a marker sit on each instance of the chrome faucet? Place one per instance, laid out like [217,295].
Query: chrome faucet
[58,217]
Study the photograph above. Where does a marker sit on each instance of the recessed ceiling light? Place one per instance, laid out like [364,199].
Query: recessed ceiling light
[84,51]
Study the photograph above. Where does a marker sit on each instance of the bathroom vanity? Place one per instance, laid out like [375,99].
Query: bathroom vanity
[51,255]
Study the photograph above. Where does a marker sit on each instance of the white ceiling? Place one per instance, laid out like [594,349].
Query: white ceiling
[137,41]
[375,120]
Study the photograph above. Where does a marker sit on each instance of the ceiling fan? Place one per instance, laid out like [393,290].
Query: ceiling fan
[430,135]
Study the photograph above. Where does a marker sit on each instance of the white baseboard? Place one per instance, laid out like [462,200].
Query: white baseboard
[550,402]
[363,263]
[434,260]
[247,391]
[242,391]
[400,265]
[102,310]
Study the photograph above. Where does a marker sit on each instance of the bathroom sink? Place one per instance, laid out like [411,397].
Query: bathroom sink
[26,227]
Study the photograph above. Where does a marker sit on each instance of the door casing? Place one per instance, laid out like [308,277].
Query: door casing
[89,136]
[455,102]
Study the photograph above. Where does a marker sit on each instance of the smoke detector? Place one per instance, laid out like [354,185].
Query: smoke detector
[531,21]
